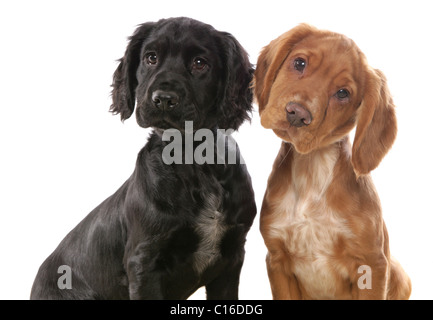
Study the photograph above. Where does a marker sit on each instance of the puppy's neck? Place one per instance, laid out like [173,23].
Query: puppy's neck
[313,172]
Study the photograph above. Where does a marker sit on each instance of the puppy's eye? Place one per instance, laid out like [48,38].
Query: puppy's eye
[342,94]
[151,58]
[199,64]
[299,64]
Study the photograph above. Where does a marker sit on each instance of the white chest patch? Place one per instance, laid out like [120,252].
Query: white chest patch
[210,227]
[309,228]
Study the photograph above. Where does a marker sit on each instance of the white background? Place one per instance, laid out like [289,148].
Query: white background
[62,152]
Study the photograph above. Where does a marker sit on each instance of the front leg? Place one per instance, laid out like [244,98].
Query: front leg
[153,279]
[226,283]
[144,284]
[371,279]
[225,286]
[160,267]
[284,286]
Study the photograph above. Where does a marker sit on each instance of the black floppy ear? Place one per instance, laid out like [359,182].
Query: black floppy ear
[237,98]
[124,78]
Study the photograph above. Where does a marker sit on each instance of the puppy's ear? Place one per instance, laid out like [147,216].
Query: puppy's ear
[272,57]
[237,97]
[376,126]
[124,78]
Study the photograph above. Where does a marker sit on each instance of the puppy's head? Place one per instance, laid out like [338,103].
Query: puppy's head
[314,86]
[178,70]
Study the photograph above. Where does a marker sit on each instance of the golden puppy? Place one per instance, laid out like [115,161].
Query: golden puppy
[321,216]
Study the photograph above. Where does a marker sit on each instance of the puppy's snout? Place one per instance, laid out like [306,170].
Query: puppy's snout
[297,115]
[165,100]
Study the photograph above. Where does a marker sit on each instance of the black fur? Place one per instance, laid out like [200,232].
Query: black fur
[169,229]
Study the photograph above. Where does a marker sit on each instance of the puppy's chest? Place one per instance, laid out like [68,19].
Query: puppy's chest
[312,234]
[307,227]
[210,226]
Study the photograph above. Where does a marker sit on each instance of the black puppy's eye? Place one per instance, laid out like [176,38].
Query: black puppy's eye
[299,64]
[199,64]
[342,94]
[151,58]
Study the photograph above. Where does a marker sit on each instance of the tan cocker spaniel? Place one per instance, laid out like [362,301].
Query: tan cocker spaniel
[321,216]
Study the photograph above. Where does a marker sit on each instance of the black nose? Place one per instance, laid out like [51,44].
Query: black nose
[297,115]
[165,100]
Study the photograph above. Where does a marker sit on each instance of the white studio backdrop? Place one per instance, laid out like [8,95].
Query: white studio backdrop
[63,153]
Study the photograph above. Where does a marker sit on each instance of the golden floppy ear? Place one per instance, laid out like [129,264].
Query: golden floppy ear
[376,126]
[272,57]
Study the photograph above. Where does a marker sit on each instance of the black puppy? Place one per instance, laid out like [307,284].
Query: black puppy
[171,228]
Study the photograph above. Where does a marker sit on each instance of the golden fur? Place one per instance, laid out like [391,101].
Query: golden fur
[321,216]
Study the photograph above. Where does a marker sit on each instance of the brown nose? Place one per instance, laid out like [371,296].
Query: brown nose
[297,115]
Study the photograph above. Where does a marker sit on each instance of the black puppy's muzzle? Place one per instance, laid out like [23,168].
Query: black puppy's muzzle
[165,100]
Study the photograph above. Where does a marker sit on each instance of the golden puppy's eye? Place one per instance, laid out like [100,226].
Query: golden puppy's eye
[151,58]
[299,64]
[342,94]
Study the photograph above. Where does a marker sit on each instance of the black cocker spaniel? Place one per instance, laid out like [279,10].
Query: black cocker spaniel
[171,227]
